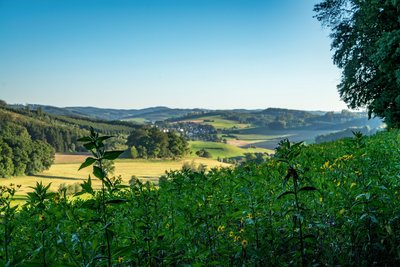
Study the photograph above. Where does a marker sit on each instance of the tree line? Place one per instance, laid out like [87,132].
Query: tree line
[151,142]
[20,154]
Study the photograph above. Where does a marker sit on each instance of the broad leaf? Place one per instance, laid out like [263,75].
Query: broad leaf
[89,161]
[111,155]
[98,172]
[84,139]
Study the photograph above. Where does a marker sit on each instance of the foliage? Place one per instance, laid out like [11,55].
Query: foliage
[151,142]
[203,153]
[332,204]
[366,42]
[20,154]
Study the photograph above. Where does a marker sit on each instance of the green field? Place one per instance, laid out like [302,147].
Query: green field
[224,150]
[63,172]
[220,123]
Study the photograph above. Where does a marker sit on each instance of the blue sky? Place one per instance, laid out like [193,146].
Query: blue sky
[219,54]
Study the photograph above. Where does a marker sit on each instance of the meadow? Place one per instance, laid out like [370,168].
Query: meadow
[219,123]
[65,171]
[221,150]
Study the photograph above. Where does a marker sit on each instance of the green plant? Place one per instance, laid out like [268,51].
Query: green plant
[288,154]
[95,144]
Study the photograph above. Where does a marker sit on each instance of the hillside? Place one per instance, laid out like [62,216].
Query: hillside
[145,115]
[61,132]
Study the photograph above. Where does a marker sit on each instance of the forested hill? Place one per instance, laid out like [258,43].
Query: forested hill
[60,132]
[146,114]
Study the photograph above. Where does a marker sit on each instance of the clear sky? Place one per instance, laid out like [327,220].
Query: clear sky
[218,54]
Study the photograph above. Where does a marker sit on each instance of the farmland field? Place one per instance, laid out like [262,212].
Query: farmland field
[65,171]
[224,150]
[219,123]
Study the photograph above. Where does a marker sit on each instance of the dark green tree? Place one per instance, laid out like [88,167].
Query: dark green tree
[6,163]
[366,45]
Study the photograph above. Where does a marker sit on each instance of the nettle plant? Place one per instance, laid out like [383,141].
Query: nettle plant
[95,144]
[293,187]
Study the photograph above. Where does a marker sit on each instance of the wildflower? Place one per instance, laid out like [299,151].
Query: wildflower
[41,217]
[249,215]
[241,230]
[221,228]
[231,234]
[244,243]
[237,238]
[120,259]
[325,166]
[167,226]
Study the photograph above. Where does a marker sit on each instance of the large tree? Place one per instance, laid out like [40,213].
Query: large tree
[366,45]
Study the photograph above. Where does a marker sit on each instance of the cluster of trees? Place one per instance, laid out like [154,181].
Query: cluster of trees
[19,154]
[151,142]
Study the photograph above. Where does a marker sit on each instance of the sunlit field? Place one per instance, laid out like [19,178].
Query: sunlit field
[65,171]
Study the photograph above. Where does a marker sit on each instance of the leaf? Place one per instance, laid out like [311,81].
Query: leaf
[98,172]
[111,155]
[89,161]
[285,193]
[116,201]
[84,139]
[86,187]
[89,146]
[307,188]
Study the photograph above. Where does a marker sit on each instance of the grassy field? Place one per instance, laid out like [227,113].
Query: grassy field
[223,150]
[248,140]
[220,123]
[65,171]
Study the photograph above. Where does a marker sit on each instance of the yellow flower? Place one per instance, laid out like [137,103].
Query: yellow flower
[41,217]
[241,230]
[249,215]
[231,234]
[237,238]
[120,259]
[244,243]
[325,166]
[167,226]
[221,228]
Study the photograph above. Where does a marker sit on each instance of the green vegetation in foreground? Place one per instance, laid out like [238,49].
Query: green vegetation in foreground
[331,204]
[222,150]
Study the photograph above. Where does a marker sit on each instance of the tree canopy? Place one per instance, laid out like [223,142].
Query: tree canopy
[366,45]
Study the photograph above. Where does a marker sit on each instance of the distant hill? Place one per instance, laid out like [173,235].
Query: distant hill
[140,115]
[60,131]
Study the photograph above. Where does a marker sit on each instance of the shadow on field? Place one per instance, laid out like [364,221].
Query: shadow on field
[57,177]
